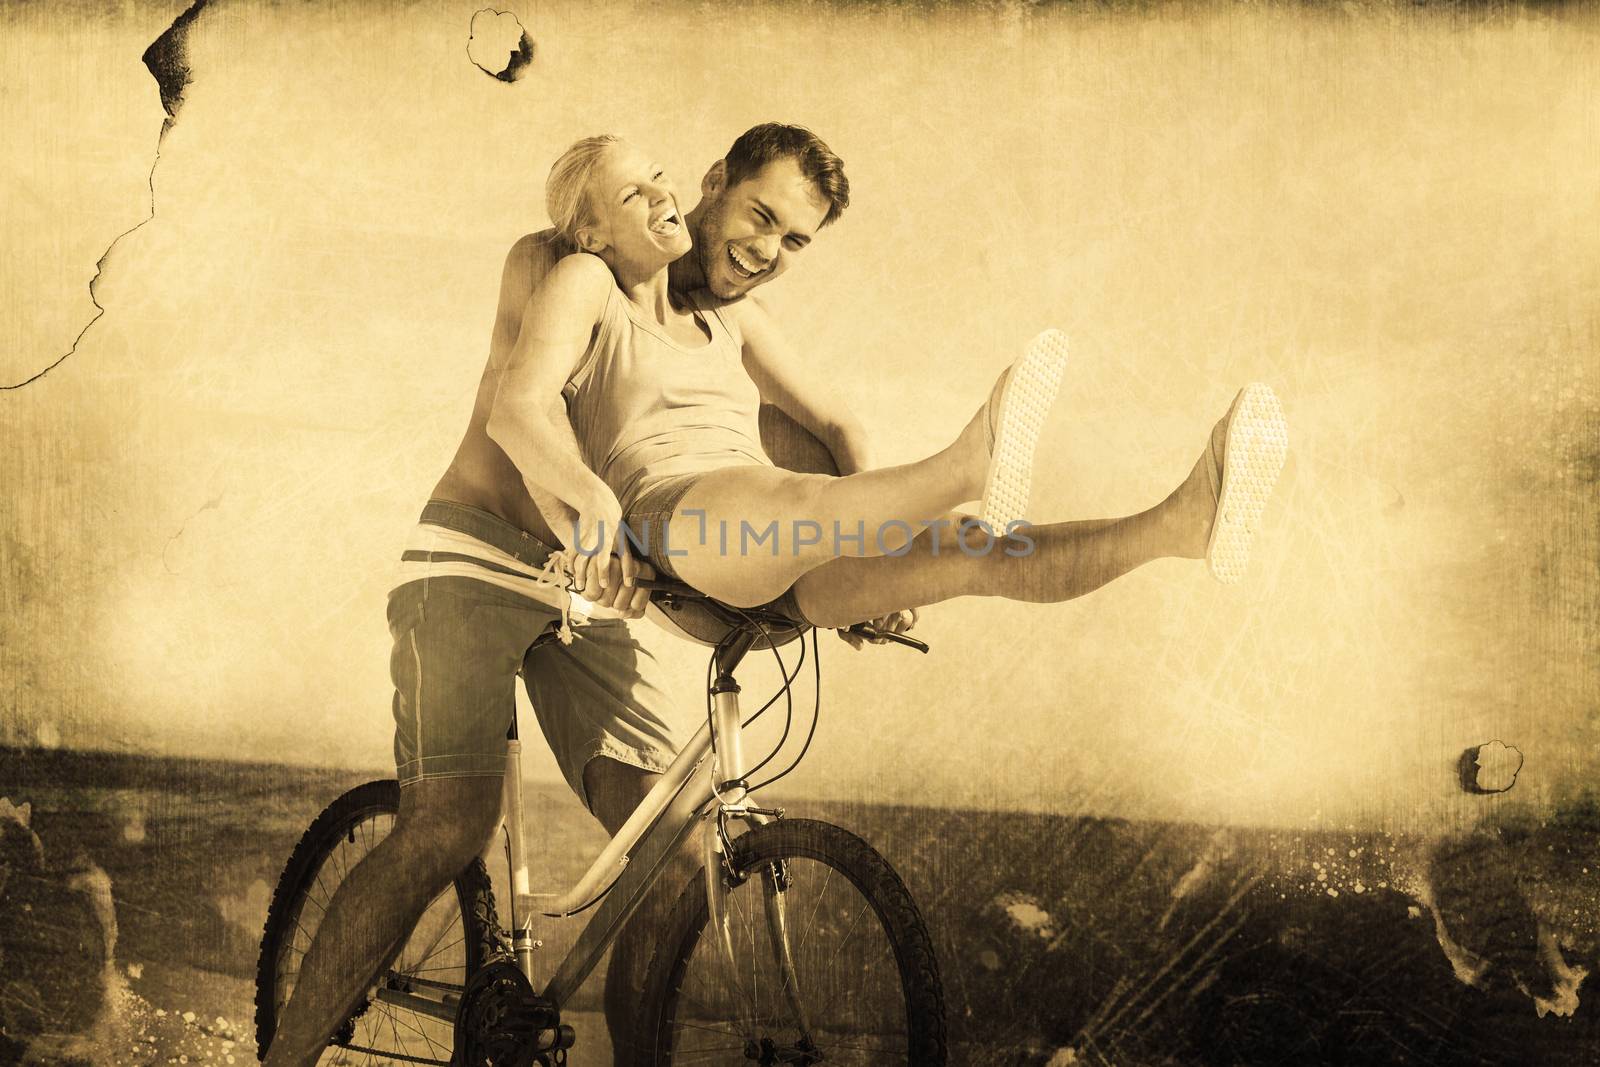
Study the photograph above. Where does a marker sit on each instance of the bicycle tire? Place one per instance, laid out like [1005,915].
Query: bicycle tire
[386,1032]
[898,988]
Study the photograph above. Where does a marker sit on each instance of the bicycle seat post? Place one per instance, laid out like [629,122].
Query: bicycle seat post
[512,812]
[727,740]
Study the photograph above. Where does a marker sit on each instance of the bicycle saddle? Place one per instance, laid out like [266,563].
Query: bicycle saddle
[696,617]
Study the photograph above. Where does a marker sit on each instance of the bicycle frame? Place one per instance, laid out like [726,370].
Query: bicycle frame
[686,795]
[690,792]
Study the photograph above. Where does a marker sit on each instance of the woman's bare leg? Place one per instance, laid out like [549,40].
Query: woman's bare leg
[745,534]
[1067,559]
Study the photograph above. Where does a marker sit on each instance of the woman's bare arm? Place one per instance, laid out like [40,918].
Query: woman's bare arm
[528,420]
[527,265]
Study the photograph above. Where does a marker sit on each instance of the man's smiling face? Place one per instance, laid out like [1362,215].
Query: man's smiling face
[751,232]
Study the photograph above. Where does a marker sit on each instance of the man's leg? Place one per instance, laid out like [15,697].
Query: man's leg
[605,705]
[458,643]
[615,789]
[443,825]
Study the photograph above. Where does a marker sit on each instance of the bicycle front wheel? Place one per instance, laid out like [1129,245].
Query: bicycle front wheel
[448,944]
[832,961]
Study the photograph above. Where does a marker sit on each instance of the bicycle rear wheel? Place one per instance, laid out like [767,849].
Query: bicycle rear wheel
[866,986]
[450,941]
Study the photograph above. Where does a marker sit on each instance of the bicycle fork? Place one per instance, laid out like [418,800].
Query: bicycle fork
[731,790]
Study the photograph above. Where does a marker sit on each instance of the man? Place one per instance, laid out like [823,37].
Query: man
[472,601]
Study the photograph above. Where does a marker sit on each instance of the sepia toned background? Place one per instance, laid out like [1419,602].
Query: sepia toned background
[1388,212]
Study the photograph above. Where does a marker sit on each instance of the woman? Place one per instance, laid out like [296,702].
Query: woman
[665,411]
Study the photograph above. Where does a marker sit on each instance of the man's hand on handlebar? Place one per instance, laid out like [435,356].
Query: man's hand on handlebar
[897,622]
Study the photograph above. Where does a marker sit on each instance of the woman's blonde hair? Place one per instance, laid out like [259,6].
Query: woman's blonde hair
[566,192]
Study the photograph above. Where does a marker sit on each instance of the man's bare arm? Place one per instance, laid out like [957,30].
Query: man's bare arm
[790,385]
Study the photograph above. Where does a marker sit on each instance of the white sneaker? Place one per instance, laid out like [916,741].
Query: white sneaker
[1017,407]
[1247,451]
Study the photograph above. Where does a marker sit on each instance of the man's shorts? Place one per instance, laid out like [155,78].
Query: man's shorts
[470,603]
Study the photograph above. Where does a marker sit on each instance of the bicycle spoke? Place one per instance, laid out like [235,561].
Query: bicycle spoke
[395,1030]
[325,894]
[450,967]
[413,1027]
[703,1053]
[860,1048]
[827,1009]
[701,984]
[736,985]
[811,988]
[805,935]
[755,960]
[433,949]
[833,959]
[418,1028]
[865,906]
[709,1011]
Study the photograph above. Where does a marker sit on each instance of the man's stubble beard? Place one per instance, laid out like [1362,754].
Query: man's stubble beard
[706,255]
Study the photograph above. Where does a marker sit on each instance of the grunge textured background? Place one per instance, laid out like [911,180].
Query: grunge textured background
[1387,211]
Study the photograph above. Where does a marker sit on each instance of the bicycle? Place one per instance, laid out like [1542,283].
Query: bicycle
[760,961]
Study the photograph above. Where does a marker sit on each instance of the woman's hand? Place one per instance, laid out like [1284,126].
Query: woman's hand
[595,538]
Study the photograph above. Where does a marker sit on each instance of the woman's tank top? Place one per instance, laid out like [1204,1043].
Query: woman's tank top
[643,406]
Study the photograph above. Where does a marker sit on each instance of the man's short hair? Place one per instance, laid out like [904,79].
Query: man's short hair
[772,141]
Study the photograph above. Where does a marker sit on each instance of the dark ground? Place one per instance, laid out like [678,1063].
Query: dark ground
[1062,939]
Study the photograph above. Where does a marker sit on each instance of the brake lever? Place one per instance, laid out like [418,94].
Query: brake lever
[872,633]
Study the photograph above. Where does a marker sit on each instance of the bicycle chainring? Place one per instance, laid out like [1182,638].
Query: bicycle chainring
[501,1020]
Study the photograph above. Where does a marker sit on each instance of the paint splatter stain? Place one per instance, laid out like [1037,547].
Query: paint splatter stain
[1026,913]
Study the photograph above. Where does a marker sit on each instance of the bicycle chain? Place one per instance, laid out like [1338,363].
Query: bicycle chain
[389,1055]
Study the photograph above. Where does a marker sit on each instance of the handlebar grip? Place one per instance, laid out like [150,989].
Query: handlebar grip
[872,633]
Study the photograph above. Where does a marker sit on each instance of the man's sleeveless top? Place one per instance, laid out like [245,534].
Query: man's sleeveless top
[644,407]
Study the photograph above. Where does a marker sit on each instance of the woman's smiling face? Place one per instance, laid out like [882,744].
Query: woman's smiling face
[634,206]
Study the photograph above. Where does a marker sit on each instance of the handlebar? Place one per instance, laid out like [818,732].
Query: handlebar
[872,633]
